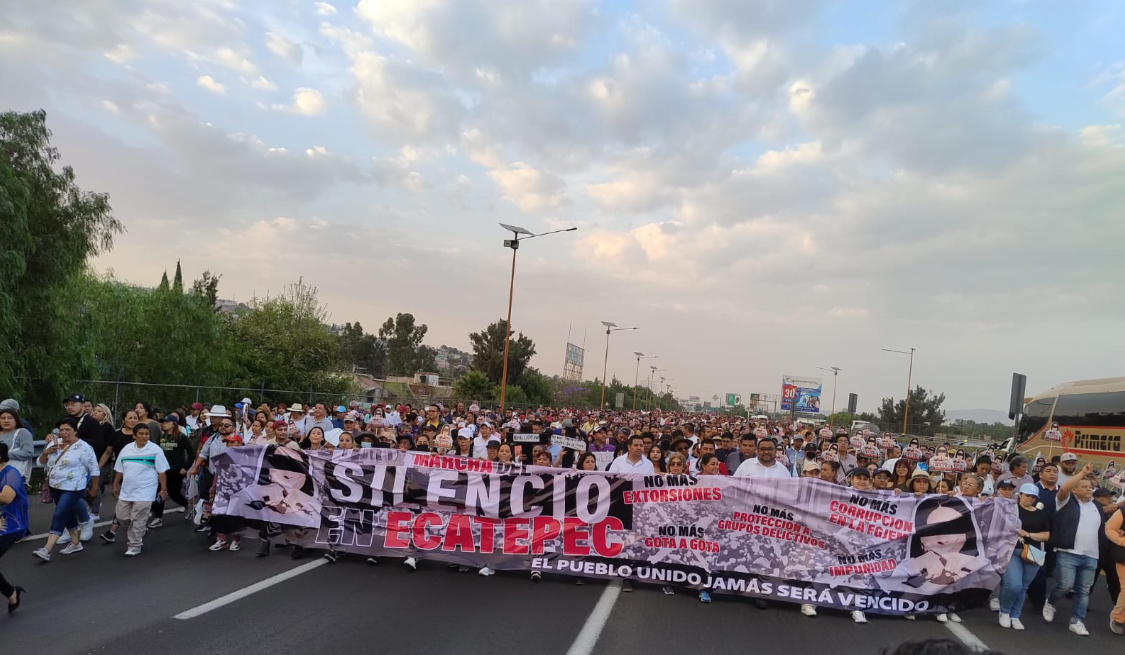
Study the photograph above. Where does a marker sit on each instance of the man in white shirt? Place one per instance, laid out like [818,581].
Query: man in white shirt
[765,465]
[139,478]
[634,461]
[1075,533]
[480,442]
[1068,466]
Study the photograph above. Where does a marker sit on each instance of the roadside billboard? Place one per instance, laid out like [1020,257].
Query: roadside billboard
[800,394]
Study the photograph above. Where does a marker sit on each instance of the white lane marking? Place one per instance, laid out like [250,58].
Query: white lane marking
[966,637]
[588,637]
[247,591]
[96,525]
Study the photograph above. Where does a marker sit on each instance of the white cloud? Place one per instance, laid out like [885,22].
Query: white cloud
[306,102]
[284,48]
[403,103]
[209,83]
[235,61]
[309,102]
[110,106]
[324,9]
[529,189]
[262,84]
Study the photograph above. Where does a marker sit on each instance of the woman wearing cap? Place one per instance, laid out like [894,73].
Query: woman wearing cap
[1035,531]
[72,472]
[21,446]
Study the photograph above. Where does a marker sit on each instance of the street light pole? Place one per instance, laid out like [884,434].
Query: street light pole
[637,374]
[648,405]
[909,376]
[514,244]
[609,327]
[835,370]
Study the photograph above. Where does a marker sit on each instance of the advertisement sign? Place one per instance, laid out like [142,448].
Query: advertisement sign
[733,399]
[801,394]
[799,540]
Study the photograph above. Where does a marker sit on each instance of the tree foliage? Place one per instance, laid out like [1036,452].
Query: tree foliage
[361,351]
[207,286]
[283,343]
[49,227]
[925,417]
[403,339]
[536,387]
[475,385]
[488,353]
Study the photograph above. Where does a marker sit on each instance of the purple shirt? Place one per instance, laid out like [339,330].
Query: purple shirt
[607,447]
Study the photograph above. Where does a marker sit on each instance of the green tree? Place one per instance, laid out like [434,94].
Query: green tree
[426,359]
[363,351]
[474,385]
[207,286]
[178,280]
[163,286]
[488,352]
[49,228]
[404,339]
[283,343]
[142,335]
[926,415]
[536,387]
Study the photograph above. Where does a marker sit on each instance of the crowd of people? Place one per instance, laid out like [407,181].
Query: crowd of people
[1070,528]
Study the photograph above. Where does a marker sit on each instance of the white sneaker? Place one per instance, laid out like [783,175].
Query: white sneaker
[859,617]
[94,518]
[71,548]
[64,538]
[220,544]
[1005,621]
[411,563]
[486,572]
[155,523]
[994,604]
[953,617]
[86,530]
[1079,628]
[42,554]
[1048,612]
[808,610]
[943,618]
[1016,625]
[132,551]
[910,617]
[235,546]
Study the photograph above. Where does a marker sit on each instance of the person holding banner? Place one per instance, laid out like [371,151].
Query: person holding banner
[634,461]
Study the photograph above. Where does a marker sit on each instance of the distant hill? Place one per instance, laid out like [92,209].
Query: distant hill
[977,415]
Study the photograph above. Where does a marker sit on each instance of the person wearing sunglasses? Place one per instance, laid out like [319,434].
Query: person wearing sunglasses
[203,465]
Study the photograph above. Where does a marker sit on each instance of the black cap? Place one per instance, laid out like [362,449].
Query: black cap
[75,397]
[169,418]
[1102,492]
[859,470]
[883,471]
[1006,484]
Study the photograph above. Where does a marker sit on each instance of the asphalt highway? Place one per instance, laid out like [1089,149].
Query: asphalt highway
[100,601]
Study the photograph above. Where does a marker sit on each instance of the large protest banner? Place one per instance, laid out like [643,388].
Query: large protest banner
[796,540]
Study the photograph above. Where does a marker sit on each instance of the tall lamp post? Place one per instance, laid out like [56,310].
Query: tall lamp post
[514,244]
[650,376]
[834,370]
[909,374]
[609,327]
[637,374]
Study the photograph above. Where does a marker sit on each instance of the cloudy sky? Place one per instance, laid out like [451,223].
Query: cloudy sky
[763,186]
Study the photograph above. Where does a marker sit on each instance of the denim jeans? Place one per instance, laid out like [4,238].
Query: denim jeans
[1017,578]
[70,511]
[1075,572]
